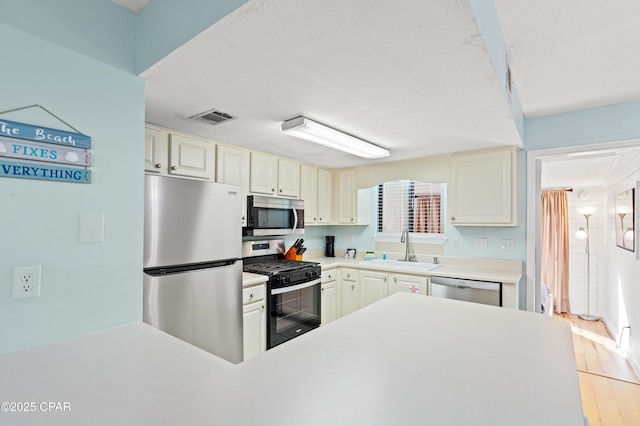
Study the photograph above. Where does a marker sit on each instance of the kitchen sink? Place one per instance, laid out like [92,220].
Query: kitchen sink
[422,266]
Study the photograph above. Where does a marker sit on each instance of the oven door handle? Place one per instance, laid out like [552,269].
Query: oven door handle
[295,219]
[295,287]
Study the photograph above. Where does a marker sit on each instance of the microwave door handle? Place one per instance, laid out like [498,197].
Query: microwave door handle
[295,219]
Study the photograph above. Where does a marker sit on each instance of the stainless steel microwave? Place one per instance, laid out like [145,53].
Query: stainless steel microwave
[273,216]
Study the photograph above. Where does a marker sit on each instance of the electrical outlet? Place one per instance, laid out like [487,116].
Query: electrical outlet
[26,282]
[482,243]
[455,243]
[508,245]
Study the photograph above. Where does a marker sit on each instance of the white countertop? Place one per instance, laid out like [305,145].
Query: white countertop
[250,279]
[407,359]
[491,273]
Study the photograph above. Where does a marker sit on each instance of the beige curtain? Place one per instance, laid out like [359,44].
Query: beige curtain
[555,247]
[427,214]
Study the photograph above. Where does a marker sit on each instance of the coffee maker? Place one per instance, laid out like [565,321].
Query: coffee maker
[328,248]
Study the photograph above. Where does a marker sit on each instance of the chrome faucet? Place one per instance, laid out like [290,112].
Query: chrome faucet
[404,238]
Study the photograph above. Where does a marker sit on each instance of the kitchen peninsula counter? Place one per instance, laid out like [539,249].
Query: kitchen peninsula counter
[406,360]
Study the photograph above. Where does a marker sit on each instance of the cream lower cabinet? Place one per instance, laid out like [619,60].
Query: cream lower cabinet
[407,284]
[374,286]
[329,297]
[349,291]
[254,321]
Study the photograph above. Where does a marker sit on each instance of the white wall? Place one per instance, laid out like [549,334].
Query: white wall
[587,196]
[620,271]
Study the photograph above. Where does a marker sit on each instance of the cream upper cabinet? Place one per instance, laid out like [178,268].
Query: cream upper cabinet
[483,188]
[264,173]
[288,178]
[191,157]
[274,176]
[315,190]
[232,167]
[324,196]
[347,197]
[309,193]
[156,150]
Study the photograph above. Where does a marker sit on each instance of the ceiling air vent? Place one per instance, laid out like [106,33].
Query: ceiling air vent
[213,117]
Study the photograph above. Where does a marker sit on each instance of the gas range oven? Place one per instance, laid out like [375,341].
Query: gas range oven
[293,289]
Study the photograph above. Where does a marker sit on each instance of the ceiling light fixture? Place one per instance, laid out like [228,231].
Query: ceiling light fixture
[303,128]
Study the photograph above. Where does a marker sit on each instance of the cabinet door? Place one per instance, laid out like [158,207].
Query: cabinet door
[324,196]
[254,326]
[407,283]
[191,157]
[374,286]
[309,193]
[264,173]
[347,197]
[483,189]
[328,303]
[156,150]
[288,178]
[232,167]
[350,297]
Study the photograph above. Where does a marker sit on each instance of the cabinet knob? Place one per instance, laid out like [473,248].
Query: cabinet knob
[348,275]
[395,279]
[314,219]
[174,168]
[263,307]
[384,278]
[158,166]
[323,290]
[351,219]
[453,218]
[273,190]
[353,286]
[244,217]
[251,296]
[280,190]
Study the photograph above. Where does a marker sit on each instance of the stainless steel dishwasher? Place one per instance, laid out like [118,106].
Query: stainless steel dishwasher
[489,293]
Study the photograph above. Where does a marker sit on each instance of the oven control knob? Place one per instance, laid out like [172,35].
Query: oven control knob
[309,274]
[286,280]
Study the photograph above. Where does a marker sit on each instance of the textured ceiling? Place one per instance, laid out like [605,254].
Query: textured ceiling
[411,76]
[570,55]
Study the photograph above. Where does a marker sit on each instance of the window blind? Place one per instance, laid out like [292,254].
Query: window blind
[414,204]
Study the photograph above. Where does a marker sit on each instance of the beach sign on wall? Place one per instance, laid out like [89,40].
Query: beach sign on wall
[37,152]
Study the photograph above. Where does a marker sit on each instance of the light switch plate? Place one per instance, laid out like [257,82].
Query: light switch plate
[91,227]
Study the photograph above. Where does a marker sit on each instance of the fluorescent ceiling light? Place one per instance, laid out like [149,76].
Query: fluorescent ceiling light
[303,128]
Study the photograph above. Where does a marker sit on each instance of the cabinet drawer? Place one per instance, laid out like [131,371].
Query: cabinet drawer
[328,276]
[349,274]
[253,294]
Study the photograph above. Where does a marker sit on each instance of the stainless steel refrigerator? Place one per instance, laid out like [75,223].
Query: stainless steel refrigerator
[193,263]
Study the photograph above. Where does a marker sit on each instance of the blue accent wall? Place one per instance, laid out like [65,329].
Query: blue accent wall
[85,287]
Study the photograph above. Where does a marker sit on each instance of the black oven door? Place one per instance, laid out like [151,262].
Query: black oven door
[293,311]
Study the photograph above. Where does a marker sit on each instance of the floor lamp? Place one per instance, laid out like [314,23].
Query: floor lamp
[584,235]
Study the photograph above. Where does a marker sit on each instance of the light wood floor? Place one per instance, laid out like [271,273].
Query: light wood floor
[610,389]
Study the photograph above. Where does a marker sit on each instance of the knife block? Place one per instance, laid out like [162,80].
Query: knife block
[291,255]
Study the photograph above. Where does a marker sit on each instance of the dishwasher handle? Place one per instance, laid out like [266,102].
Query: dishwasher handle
[466,284]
